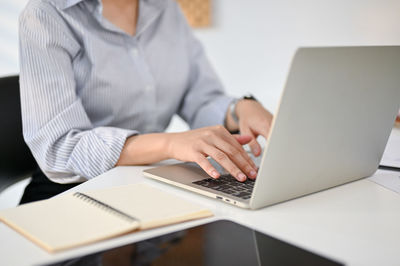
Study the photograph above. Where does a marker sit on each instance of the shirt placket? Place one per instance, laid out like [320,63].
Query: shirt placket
[148,82]
[141,66]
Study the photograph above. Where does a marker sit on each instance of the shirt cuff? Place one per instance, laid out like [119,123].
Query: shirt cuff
[213,113]
[97,151]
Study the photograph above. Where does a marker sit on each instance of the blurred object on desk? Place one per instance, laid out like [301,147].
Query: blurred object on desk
[397,122]
[391,155]
[387,179]
[197,12]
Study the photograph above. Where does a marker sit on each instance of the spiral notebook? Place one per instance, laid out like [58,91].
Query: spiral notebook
[75,219]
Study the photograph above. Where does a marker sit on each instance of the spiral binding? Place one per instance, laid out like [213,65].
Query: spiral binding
[105,207]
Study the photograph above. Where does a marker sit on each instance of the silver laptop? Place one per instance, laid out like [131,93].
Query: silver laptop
[331,127]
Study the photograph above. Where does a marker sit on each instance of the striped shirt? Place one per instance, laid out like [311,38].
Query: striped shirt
[86,85]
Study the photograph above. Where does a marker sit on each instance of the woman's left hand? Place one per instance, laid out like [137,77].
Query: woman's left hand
[254,120]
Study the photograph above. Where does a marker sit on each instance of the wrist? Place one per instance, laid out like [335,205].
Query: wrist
[241,106]
[236,106]
[169,141]
[145,149]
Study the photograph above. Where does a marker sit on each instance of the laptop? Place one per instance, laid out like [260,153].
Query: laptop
[334,118]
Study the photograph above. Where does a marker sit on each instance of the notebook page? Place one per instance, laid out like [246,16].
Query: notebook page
[65,222]
[151,206]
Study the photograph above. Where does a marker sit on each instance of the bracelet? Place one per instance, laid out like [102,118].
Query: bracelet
[232,110]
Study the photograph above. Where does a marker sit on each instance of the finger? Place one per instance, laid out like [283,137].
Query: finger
[254,145]
[263,126]
[263,131]
[242,139]
[239,158]
[228,137]
[202,161]
[224,160]
[219,138]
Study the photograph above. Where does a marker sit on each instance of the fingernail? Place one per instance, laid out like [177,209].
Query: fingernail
[214,174]
[253,173]
[241,177]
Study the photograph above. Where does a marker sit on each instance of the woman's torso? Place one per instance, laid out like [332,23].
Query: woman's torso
[134,82]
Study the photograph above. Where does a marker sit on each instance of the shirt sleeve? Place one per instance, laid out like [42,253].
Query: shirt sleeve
[56,127]
[205,103]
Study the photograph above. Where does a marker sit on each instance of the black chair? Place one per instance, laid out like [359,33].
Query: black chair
[16,160]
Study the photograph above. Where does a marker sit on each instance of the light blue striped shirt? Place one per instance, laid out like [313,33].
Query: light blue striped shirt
[86,85]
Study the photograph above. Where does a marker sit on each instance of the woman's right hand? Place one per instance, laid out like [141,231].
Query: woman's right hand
[216,142]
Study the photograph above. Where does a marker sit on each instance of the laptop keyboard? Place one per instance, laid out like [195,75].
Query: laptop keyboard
[229,185]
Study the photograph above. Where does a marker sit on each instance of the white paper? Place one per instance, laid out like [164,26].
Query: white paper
[387,179]
[391,156]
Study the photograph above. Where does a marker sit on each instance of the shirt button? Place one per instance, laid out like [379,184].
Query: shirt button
[134,52]
[149,87]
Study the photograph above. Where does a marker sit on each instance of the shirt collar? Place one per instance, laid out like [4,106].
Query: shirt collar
[64,4]
[148,5]
[149,10]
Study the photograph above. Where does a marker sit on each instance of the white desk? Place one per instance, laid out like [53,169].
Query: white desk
[357,223]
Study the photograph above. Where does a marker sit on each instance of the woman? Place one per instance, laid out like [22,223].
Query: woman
[100,81]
